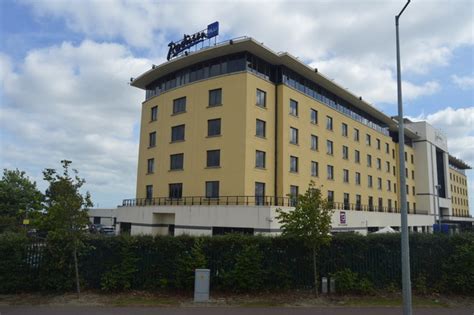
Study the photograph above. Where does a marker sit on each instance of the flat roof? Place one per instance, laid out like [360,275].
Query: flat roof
[282,58]
[458,163]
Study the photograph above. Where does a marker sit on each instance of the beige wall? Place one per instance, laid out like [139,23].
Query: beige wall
[459,193]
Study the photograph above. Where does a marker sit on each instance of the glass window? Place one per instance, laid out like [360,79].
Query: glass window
[176,161]
[215,97]
[368,140]
[380,204]
[260,159]
[152,139]
[212,189]
[371,203]
[328,123]
[357,178]
[358,202]
[412,159]
[259,193]
[357,156]
[387,166]
[293,135]
[330,196]
[293,107]
[154,113]
[389,185]
[387,148]
[345,176]
[345,152]
[260,128]
[213,158]
[261,98]
[177,133]
[149,191]
[294,194]
[330,170]
[176,190]
[329,147]
[378,144]
[379,164]
[213,127]
[369,160]
[346,201]
[150,166]
[356,134]
[314,142]
[314,116]
[344,129]
[369,181]
[293,164]
[314,168]
[412,174]
[179,105]
[379,183]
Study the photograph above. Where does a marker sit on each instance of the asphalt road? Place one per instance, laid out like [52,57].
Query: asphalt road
[86,310]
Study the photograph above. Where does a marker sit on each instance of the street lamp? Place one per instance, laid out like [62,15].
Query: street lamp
[438,187]
[406,282]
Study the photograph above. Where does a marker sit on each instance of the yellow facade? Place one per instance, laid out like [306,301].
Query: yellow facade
[459,193]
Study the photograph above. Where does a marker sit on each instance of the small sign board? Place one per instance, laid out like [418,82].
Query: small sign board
[342,217]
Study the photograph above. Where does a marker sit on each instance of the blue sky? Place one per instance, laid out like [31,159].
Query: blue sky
[64,67]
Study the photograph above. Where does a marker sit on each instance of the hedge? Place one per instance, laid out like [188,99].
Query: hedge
[238,263]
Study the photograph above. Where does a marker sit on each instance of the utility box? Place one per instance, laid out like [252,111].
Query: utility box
[324,284]
[201,285]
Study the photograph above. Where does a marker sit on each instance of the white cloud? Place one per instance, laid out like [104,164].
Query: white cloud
[73,102]
[464,82]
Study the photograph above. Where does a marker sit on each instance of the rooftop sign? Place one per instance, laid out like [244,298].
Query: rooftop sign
[188,41]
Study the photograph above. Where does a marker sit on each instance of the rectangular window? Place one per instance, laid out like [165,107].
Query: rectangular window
[149,191]
[314,142]
[260,159]
[369,181]
[261,98]
[413,190]
[176,161]
[357,156]
[293,107]
[345,152]
[412,159]
[150,166]
[369,160]
[357,178]
[152,139]
[368,140]
[328,122]
[261,128]
[379,164]
[378,144]
[345,176]
[314,116]
[293,135]
[406,172]
[358,202]
[214,127]
[154,113]
[393,153]
[389,205]
[177,133]
[176,190]
[330,196]
[406,157]
[294,194]
[380,204]
[387,148]
[259,193]
[407,189]
[293,164]
[314,168]
[412,174]
[330,170]
[344,129]
[346,201]
[179,105]
[389,185]
[213,158]
[387,166]
[215,97]
[394,170]
[371,203]
[356,134]
[379,183]
[329,147]
[394,187]
[212,189]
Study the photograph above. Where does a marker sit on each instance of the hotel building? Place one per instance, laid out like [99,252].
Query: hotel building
[231,132]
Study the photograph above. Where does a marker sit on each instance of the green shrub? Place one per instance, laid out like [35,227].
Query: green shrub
[348,281]
[247,274]
[188,261]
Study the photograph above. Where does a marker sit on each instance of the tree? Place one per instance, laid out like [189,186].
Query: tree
[66,210]
[309,221]
[19,199]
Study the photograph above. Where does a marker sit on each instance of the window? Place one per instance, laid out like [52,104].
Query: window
[176,161]
[293,164]
[413,190]
[368,140]
[387,148]
[394,187]
[328,123]
[378,144]
[356,134]
[261,128]
[357,156]
[213,127]
[177,133]
[314,168]
[379,164]
[369,160]
[387,166]
[408,189]
[393,153]
[293,107]
[314,142]
[293,135]
[389,205]
[394,170]
[406,157]
[212,189]
[389,185]
[369,181]
[346,201]
[412,159]
[314,116]
[330,170]
[259,193]
[261,98]
[150,166]
[213,158]
[358,202]
[345,152]
[344,129]
[406,172]
[259,159]
[179,105]
[379,183]
[176,190]
[380,204]
[149,191]
[371,203]
[329,147]
[215,97]
[294,194]
[345,176]
[330,196]
[357,178]
[152,139]
[154,113]
[412,174]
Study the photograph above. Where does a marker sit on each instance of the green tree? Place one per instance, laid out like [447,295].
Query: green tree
[66,210]
[309,221]
[19,199]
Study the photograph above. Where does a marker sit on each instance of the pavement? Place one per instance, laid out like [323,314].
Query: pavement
[104,310]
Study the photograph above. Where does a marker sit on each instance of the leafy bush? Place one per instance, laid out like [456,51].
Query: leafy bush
[246,276]
[187,263]
[350,282]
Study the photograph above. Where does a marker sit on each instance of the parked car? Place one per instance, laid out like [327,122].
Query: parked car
[107,230]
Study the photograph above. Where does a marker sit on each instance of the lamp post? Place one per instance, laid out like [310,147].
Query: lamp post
[438,187]
[406,282]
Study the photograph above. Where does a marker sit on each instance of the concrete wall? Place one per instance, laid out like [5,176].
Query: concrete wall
[106,215]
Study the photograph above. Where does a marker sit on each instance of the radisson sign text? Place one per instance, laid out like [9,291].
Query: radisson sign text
[175,48]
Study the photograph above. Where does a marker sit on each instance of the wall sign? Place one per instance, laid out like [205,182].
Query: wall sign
[342,217]
[188,41]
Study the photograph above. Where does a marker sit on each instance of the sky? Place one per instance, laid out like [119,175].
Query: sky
[65,68]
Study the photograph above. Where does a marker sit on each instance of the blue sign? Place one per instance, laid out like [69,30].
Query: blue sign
[188,41]
[443,228]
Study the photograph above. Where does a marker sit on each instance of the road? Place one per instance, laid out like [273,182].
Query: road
[100,310]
